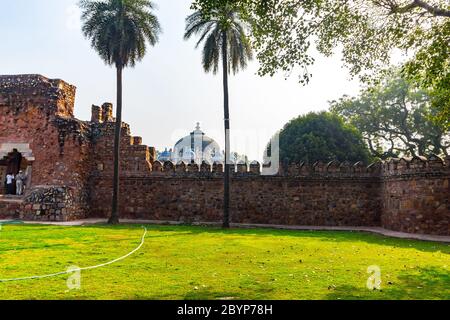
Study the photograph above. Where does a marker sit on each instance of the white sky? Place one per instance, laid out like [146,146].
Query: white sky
[168,92]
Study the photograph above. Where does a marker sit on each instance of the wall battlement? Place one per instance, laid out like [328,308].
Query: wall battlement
[383,169]
[414,166]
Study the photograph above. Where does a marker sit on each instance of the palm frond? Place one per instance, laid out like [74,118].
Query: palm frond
[211,30]
[119,30]
[211,51]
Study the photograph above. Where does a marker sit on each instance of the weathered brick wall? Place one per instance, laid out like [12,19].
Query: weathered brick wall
[10,209]
[316,195]
[274,200]
[51,96]
[135,158]
[38,112]
[416,196]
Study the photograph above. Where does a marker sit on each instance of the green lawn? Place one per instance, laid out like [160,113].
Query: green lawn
[182,262]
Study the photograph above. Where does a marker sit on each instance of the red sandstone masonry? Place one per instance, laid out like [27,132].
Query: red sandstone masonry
[39,112]
[72,175]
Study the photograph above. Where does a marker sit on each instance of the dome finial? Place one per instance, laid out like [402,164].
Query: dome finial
[198,126]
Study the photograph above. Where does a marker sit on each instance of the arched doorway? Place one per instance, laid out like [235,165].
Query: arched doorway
[12,163]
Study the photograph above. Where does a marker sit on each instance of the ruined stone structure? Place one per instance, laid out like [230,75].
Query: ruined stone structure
[69,168]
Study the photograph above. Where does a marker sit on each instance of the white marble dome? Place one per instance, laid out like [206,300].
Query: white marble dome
[197,147]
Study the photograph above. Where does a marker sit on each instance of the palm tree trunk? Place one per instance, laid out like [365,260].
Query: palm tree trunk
[226,196]
[114,219]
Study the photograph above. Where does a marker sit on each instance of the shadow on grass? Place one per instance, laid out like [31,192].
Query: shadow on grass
[35,247]
[328,236]
[423,283]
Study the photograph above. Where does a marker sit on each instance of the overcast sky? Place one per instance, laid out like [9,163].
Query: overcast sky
[167,93]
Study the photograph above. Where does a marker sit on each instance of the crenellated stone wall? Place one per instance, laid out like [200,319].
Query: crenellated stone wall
[412,196]
[70,166]
[416,195]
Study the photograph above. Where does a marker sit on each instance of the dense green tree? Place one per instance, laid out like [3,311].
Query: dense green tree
[224,35]
[366,31]
[119,31]
[430,69]
[395,119]
[321,136]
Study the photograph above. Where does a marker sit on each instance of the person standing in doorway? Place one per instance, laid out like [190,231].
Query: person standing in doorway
[9,183]
[20,179]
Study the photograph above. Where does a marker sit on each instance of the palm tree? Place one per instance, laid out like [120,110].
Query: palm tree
[224,35]
[119,31]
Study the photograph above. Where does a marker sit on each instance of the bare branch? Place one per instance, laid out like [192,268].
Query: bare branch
[435,11]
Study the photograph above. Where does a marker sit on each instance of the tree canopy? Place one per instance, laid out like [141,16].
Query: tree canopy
[321,137]
[367,32]
[222,25]
[395,119]
[119,29]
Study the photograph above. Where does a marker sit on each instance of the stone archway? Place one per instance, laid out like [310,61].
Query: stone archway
[13,158]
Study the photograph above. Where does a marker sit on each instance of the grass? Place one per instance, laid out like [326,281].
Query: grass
[183,262]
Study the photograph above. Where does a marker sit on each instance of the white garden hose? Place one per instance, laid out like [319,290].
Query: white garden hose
[80,269]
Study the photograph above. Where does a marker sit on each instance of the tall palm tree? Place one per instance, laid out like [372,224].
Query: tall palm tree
[224,35]
[119,31]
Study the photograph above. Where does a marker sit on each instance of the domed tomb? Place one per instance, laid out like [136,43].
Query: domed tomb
[197,147]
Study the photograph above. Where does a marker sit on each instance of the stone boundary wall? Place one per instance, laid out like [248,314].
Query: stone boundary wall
[42,203]
[270,200]
[410,195]
[416,195]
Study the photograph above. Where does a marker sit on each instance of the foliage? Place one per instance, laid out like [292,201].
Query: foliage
[395,119]
[321,136]
[431,69]
[181,262]
[223,24]
[287,33]
[119,29]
